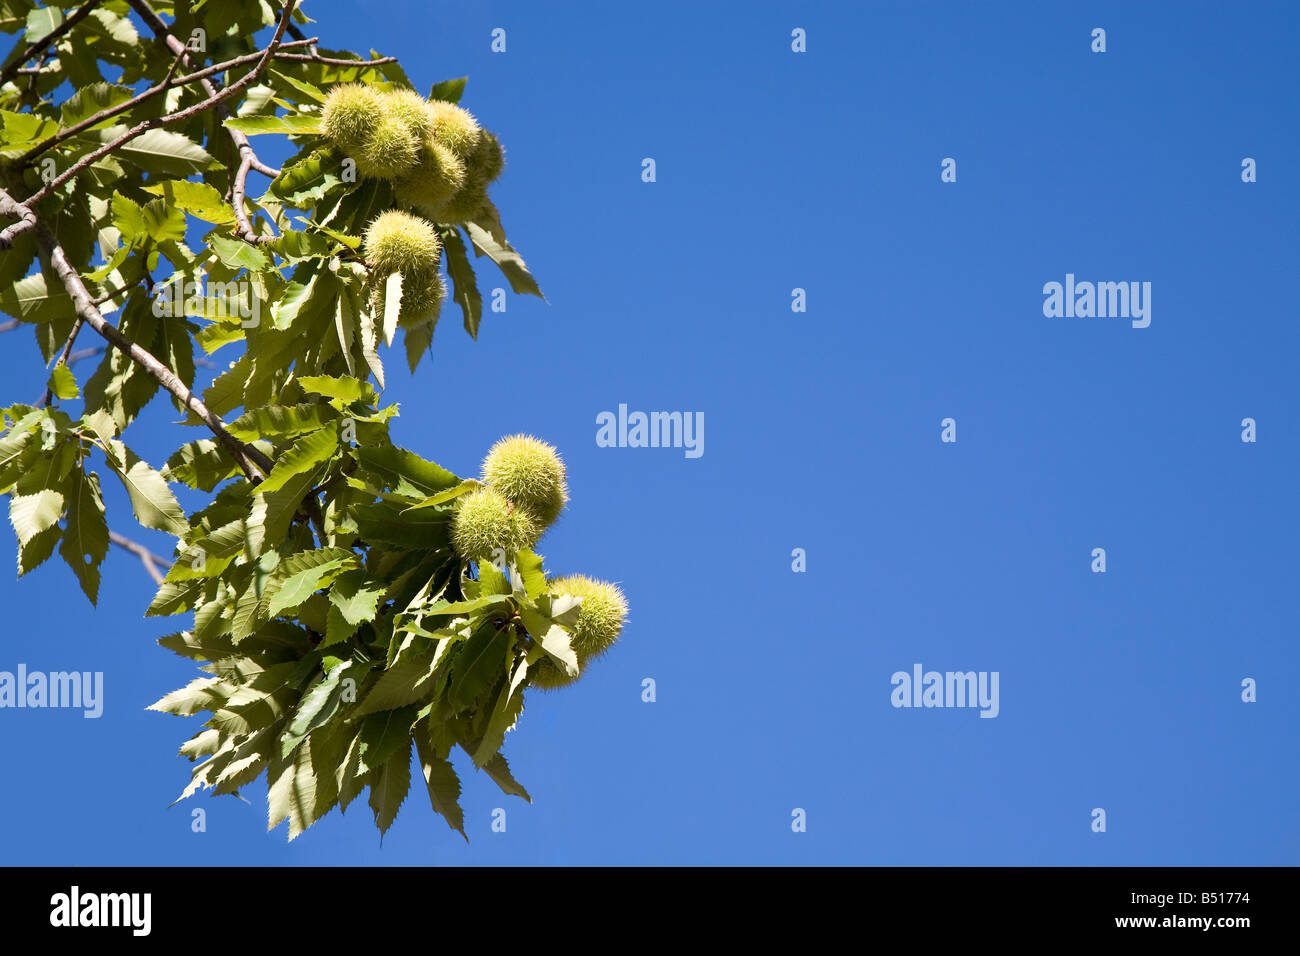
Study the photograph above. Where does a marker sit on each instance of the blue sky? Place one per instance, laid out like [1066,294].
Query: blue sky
[821,171]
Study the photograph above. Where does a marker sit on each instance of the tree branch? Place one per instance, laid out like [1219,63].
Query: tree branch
[246,152]
[26,220]
[215,99]
[152,562]
[254,464]
[39,47]
[150,93]
[315,57]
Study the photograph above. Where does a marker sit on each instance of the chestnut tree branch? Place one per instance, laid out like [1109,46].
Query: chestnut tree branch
[254,464]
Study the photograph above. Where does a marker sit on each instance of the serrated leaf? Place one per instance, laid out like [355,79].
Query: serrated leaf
[238,254]
[405,472]
[499,771]
[390,786]
[449,91]
[381,734]
[319,705]
[202,693]
[301,457]
[479,665]
[464,285]
[159,151]
[510,262]
[356,596]
[62,383]
[443,785]
[92,99]
[400,686]
[32,514]
[346,390]
[85,539]
[153,502]
[198,199]
[255,125]
[307,572]
[392,306]
[304,88]
[281,421]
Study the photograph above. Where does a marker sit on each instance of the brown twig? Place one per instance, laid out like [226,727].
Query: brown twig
[245,148]
[42,44]
[152,562]
[315,57]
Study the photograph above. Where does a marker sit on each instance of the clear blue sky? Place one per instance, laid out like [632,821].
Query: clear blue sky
[821,170]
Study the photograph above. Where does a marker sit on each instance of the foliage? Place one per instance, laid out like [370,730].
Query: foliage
[338,629]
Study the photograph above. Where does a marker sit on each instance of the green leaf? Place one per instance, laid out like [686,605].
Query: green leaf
[92,99]
[128,219]
[443,785]
[390,786]
[34,299]
[159,151]
[203,693]
[307,572]
[384,524]
[405,472]
[238,254]
[255,125]
[464,286]
[392,305]
[303,456]
[62,383]
[320,704]
[32,514]
[409,682]
[505,713]
[305,88]
[499,770]
[442,497]
[479,665]
[85,540]
[449,90]
[303,183]
[356,596]
[510,262]
[281,421]
[346,390]
[381,735]
[201,464]
[153,502]
[198,199]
